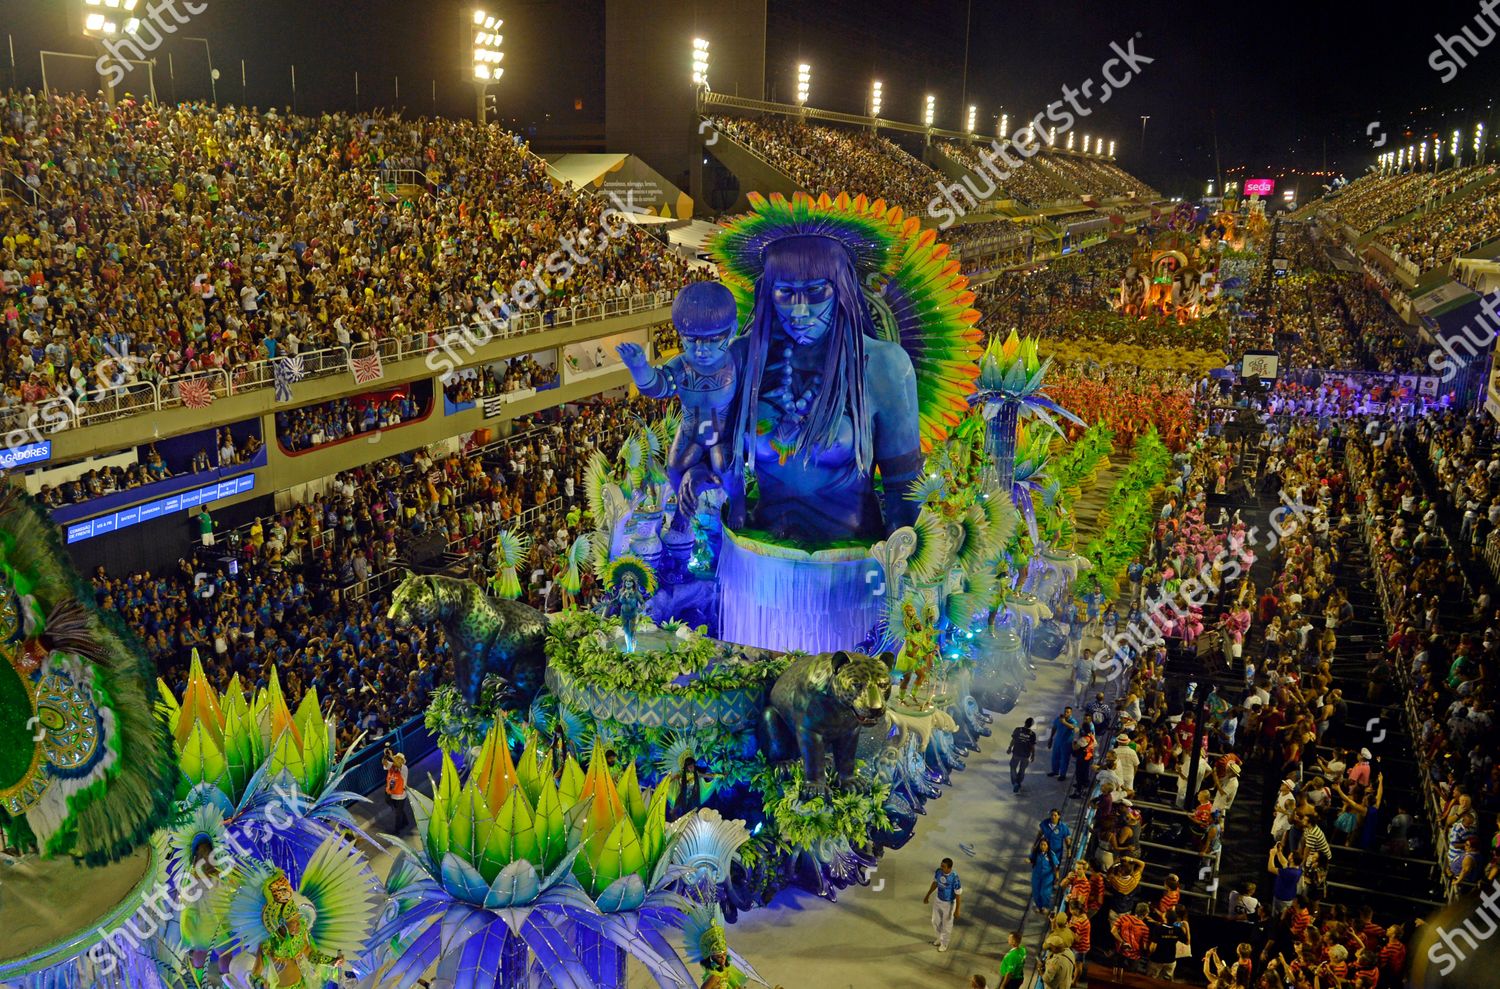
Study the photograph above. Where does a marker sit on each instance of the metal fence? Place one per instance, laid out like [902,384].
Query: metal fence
[107,404]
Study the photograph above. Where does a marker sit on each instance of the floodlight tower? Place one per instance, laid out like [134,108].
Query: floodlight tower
[487,59]
[108,22]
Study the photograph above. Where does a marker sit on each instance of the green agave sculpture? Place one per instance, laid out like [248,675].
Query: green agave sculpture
[526,864]
[222,741]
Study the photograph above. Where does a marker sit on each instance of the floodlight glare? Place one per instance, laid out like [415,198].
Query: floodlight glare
[700,62]
[94,22]
[875,100]
[1004,125]
[1111,149]
[930,113]
[1071,135]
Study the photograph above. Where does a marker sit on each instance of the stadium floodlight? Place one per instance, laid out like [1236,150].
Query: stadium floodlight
[1052,138]
[804,83]
[1479,144]
[1422,153]
[487,59]
[930,113]
[700,62]
[104,23]
[487,53]
[875,98]
[1005,125]
[973,118]
[1453,148]
[1085,144]
[1210,191]
[1071,135]
[1111,149]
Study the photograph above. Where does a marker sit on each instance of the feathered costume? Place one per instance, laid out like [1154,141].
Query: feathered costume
[85,769]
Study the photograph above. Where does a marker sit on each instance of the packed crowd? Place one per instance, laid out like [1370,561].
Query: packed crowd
[1444,632]
[328,422]
[824,159]
[1033,182]
[95,482]
[1324,318]
[311,590]
[1435,236]
[520,373]
[1097,177]
[191,237]
[1286,723]
[1374,199]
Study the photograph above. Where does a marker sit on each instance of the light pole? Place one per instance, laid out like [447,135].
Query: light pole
[102,24]
[487,59]
[213,73]
[876,99]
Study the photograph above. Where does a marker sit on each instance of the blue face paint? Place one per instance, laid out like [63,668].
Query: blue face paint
[805,308]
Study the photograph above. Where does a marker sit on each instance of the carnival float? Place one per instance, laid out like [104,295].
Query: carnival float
[848,539]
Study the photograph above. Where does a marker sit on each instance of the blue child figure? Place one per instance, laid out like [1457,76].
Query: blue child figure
[703,379]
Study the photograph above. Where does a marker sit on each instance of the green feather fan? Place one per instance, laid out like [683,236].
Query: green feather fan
[87,769]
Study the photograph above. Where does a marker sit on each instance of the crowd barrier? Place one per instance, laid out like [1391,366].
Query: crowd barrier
[124,401]
[1391,598]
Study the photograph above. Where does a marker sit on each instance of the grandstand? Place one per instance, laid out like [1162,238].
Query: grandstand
[317,253]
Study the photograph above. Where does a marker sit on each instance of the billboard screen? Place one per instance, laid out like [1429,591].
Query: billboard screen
[1260,187]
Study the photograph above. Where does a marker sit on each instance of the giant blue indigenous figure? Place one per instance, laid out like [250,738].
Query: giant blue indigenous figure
[856,352]
[824,403]
[837,317]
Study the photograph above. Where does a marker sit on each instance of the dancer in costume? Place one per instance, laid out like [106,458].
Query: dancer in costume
[719,970]
[511,553]
[920,650]
[570,578]
[287,937]
[630,582]
[703,379]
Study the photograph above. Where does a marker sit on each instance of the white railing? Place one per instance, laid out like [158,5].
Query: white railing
[461,339]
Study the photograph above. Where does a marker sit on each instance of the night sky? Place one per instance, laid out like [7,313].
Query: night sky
[1274,81]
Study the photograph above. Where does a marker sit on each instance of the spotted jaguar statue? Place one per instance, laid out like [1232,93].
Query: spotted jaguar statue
[488,635]
[818,706]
